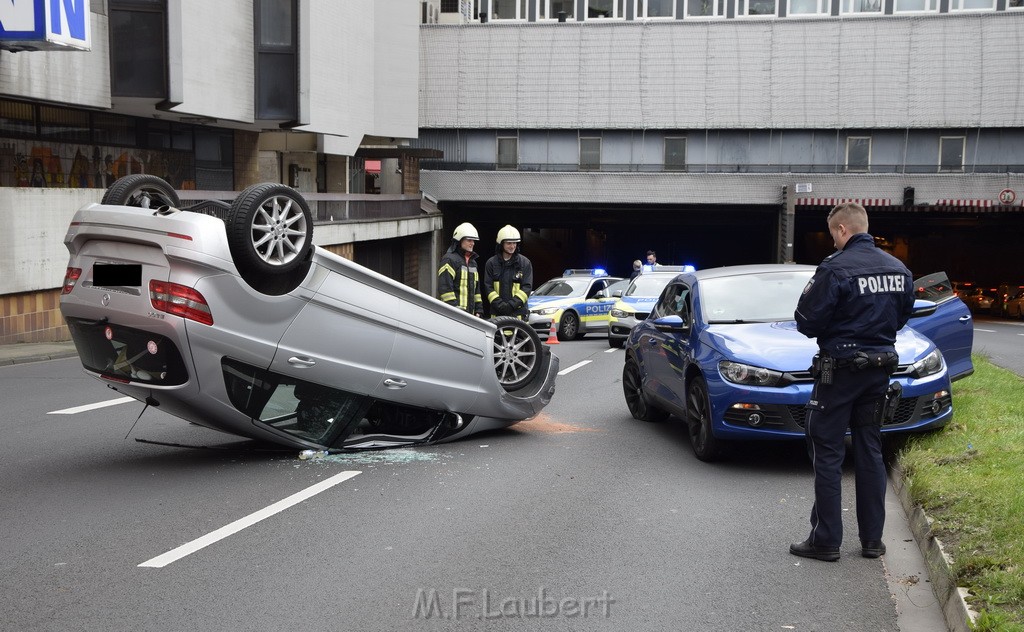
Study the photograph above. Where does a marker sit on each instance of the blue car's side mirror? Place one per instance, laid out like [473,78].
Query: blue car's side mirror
[670,323]
[923,308]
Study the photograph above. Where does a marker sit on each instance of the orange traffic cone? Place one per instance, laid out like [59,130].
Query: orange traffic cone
[553,334]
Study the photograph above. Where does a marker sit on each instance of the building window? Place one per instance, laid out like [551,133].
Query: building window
[858,153]
[811,7]
[549,9]
[656,8]
[17,118]
[756,7]
[972,5]
[606,9]
[916,6]
[860,6]
[277,76]
[508,152]
[138,48]
[1014,4]
[951,153]
[509,9]
[703,8]
[675,153]
[590,153]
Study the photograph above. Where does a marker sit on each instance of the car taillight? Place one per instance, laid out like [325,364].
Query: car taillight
[180,300]
[71,276]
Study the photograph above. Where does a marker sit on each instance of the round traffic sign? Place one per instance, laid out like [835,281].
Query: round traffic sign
[1007,196]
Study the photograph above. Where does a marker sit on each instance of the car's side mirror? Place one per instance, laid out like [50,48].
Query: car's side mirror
[671,324]
[617,293]
[923,308]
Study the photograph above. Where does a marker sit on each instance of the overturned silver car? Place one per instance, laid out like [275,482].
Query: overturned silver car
[228,316]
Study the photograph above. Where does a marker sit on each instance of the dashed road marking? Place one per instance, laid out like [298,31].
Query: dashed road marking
[574,367]
[82,409]
[229,529]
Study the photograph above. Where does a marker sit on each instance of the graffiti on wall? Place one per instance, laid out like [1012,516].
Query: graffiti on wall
[68,165]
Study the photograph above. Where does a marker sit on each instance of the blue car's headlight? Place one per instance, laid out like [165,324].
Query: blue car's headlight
[928,365]
[545,311]
[748,375]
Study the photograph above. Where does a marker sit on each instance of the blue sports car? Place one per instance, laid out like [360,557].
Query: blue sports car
[721,351]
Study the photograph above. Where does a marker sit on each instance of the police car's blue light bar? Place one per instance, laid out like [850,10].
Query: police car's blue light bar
[597,272]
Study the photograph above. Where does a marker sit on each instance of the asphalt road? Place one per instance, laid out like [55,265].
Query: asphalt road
[580,519]
[1002,340]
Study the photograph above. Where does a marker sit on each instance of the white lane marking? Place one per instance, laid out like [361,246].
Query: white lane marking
[229,529]
[987,331]
[612,350]
[82,409]
[574,367]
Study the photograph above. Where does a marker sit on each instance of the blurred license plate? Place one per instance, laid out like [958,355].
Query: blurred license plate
[117,274]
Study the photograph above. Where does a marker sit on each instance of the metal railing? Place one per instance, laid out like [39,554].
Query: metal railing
[331,207]
[441,165]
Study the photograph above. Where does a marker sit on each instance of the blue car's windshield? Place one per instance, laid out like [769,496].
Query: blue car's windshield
[563,287]
[766,297]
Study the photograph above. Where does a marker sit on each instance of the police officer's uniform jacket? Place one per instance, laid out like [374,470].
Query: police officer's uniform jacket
[508,284]
[857,300]
[458,280]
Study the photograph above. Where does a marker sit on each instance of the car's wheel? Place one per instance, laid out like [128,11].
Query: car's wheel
[616,343]
[569,326]
[270,230]
[517,352]
[141,190]
[636,401]
[698,407]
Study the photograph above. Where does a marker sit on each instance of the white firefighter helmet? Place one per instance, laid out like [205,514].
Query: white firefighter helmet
[508,233]
[465,231]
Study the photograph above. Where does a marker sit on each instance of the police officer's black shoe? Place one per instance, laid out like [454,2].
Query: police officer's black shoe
[823,553]
[872,548]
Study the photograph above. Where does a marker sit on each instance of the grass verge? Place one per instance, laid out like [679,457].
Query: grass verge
[968,478]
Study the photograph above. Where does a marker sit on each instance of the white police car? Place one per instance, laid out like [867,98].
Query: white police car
[578,302]
[638,299]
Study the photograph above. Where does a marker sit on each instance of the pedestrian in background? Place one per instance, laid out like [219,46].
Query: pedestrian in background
[508,276]
[458,280]
[652,261]
[637,267]
[857,300]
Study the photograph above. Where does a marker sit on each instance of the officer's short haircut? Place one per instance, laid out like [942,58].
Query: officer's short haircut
[850,214]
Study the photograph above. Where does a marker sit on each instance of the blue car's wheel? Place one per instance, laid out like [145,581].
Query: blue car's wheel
[636,401]
[698,407]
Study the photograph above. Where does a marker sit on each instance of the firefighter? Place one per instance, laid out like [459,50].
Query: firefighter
[458,281]
[508,276]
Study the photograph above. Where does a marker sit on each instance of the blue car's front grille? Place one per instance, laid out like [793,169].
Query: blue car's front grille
[909,410]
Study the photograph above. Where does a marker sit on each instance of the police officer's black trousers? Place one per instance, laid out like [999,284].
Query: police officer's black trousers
[850,401]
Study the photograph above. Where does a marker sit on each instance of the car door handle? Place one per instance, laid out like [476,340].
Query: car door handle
[388,382]
[964,319]
[303,361]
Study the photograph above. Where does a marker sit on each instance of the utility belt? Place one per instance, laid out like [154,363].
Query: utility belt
[823,366]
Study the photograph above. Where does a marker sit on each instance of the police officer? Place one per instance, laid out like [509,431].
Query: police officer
[508,276]
[458,280]
[857,300]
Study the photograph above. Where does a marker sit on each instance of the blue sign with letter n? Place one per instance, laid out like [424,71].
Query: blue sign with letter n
[45,25]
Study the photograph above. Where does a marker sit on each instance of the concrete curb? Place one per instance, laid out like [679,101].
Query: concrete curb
[35,352]
[958,615]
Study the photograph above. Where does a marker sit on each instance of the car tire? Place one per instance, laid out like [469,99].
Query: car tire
[270,230]
[569,326]
[142,191]
[636,400]
[615,343]
[517,352]
[698,408]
